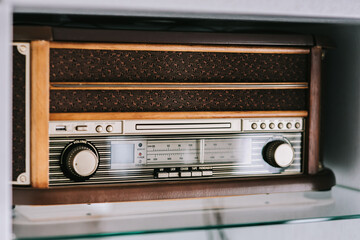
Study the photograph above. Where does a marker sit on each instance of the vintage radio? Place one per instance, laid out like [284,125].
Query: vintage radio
[164,115]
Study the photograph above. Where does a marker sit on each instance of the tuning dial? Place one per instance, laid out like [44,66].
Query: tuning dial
[278,154]
[79,160]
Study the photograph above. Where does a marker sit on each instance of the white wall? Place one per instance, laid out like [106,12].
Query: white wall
[5,121]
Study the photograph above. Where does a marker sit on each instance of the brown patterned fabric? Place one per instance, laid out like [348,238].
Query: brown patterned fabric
[79,65]
[19,114]
[176,100]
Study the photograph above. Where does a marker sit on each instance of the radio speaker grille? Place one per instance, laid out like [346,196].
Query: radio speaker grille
[84,65]
[177,100]
[19,114]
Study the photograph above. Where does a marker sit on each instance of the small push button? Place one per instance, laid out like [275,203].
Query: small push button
[207,173]
[109,128]
[162,174]
[99,128]
[185,174]
[173,174]
[81,128]
[196,173]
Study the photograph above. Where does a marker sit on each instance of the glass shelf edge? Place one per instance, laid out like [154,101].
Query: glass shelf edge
[212,227]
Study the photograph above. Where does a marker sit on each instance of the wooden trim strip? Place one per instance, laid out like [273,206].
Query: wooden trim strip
[314,111]
[173,115]
[179,48]
[39,144]
[171,86]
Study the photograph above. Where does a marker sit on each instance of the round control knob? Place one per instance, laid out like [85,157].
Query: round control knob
[278,154]
[79,160]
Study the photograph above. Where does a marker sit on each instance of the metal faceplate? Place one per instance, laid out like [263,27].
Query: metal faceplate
[174,126]
[150,158]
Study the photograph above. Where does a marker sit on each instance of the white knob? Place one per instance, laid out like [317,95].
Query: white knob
[85,163]
[79,160]
[284,155]
[278,154]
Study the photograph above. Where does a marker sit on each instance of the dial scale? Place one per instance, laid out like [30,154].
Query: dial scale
[187,151]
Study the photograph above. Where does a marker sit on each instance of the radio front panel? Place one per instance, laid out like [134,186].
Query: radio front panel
[127,159]
[125,151]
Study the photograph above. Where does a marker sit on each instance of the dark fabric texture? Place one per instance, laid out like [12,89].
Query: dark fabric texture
[81,65]
[18,114]
[177,100]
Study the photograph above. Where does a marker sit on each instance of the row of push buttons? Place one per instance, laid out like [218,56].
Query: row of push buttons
[183,172]
[109,128]
[280,125]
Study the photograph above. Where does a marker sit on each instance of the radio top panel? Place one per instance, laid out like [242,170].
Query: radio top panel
[175,126]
